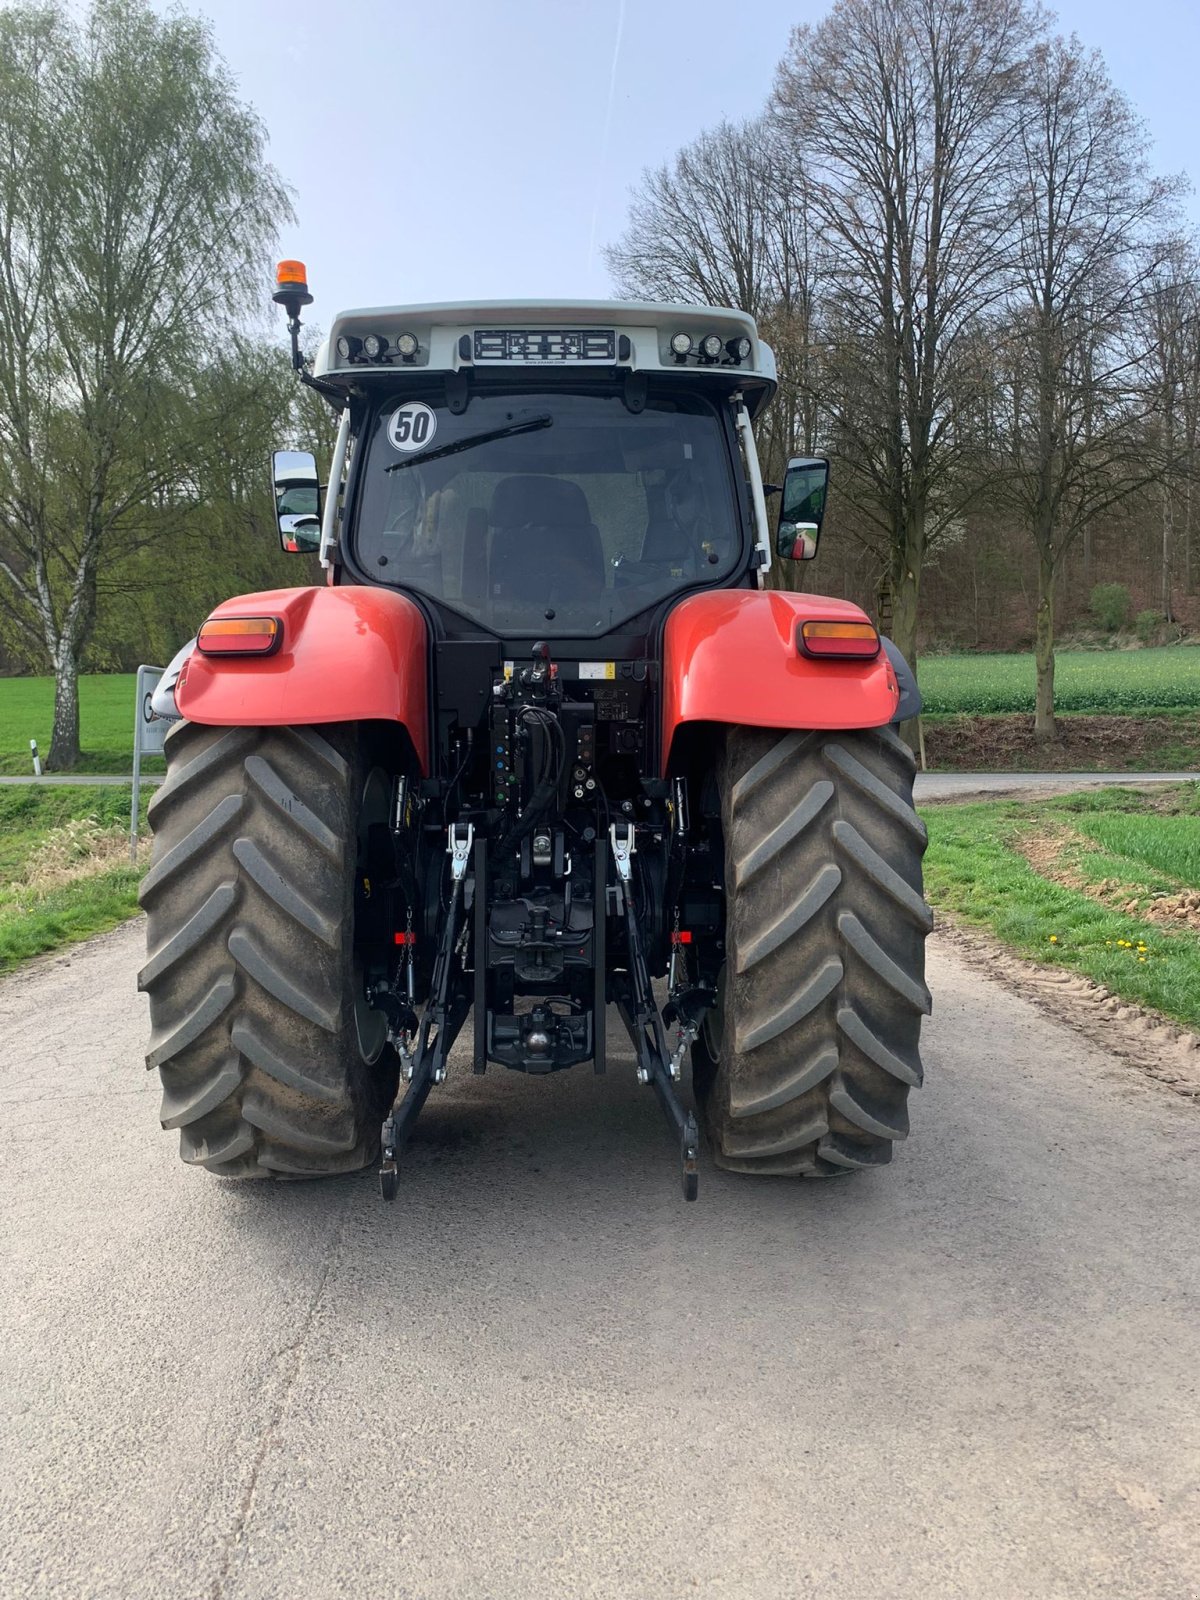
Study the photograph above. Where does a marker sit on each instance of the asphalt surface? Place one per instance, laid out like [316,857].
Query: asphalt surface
[930,785]
[148,778]
[966,785]
[539,1374]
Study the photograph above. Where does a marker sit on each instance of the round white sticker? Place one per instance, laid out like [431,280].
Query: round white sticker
[413,426]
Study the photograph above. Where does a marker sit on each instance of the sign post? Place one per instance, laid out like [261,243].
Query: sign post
[149,731]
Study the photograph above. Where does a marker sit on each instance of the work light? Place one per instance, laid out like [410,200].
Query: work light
[681,345]
[375,346]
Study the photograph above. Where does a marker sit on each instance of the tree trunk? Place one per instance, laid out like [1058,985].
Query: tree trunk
[907,559]
[1168,528]
[64,742]
[1043,722]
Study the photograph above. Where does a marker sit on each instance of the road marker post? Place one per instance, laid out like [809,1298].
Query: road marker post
[149,731]
[37,760]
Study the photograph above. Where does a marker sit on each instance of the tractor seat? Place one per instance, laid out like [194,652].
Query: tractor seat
[544,547]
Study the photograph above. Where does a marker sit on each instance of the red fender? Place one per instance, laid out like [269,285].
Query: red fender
[732,656]
[348,655]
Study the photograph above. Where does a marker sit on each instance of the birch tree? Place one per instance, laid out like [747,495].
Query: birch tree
[136,211]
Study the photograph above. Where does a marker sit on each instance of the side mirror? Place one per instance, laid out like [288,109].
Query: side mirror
[297,500]
[802,508]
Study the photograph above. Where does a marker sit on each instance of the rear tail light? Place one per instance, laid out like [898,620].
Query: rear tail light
[240,636]
[856,640]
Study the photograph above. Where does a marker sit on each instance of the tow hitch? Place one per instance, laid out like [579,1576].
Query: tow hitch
[657,1066]
[443,1018]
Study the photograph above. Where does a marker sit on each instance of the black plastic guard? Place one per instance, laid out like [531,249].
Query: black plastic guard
[906,680]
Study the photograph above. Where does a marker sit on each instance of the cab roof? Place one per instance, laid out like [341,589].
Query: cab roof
[549,335]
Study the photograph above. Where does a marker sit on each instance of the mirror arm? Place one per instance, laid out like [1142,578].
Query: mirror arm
[762,547]
[328,550]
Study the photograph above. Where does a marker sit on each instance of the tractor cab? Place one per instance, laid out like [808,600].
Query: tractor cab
[547,471]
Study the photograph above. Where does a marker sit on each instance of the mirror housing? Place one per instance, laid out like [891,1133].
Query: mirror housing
[297,501]
[802,508]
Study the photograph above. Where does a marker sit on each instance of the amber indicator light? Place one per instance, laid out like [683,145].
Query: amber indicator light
[856,640]
[240,636]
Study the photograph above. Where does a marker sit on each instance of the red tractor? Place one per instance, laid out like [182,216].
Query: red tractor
[541,739]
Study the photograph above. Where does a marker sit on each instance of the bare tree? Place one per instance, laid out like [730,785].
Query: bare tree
[728,223]
[904,112]
[135,212]
[1172,339]
[1085,254]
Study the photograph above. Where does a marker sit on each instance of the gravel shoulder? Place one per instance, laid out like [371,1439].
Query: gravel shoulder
[539,1374]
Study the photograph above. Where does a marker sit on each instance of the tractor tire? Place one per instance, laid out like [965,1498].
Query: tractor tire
[269,1065]
[806,1061]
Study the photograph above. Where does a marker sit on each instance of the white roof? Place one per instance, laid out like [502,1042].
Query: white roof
[641,333]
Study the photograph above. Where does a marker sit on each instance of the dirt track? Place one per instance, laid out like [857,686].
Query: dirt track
[540,1375]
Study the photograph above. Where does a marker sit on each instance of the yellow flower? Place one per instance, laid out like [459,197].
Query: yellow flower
[1053,938]
[1141,958]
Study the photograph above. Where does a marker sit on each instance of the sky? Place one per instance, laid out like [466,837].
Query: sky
[486,148]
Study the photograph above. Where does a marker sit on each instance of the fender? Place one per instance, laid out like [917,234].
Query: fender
[731,656]
[348,655]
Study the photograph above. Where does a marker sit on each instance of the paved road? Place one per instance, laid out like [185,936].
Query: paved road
[930,785]
[83,778]
[966,785]
[540,1375]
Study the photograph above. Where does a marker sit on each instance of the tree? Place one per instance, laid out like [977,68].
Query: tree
[1088,220]
[136,211]
[903,115]
[727,224]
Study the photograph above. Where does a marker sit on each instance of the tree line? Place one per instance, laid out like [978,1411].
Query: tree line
[137,406]
[983,302]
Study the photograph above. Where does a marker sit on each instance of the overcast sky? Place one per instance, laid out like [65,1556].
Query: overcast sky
[453,149]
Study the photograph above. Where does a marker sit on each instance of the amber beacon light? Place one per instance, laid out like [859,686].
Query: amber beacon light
[291,292]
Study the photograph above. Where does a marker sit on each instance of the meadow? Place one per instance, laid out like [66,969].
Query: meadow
[106,711]
[1117,682]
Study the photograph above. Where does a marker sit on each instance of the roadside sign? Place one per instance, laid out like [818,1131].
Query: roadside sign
[149,732]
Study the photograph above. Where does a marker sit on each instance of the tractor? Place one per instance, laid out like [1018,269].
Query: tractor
[543,754]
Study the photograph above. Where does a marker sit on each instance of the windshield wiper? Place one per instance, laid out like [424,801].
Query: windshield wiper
[530,425]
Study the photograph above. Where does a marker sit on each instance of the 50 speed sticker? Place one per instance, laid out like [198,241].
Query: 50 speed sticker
[412,427]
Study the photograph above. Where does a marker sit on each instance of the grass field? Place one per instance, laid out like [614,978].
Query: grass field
[1113,681]
[64,867]
[106,708]
[1104,883]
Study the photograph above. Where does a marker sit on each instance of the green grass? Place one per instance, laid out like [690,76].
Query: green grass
[1116,681]
[974,870]
[1169,845]
[50,840]
[106,709]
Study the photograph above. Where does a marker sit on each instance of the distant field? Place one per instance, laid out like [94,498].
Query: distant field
[1122,682]
[105,722]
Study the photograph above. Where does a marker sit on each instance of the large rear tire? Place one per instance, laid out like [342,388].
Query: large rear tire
[807,1059]
[271,1063]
